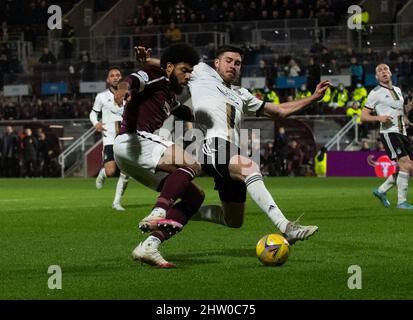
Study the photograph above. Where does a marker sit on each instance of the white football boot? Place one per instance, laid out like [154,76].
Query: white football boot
[147,252]
[295,232]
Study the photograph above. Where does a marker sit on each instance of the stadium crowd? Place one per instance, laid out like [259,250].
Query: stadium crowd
[28,154]
[260,60]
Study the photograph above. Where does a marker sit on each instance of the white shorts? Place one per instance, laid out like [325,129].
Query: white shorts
[138,154]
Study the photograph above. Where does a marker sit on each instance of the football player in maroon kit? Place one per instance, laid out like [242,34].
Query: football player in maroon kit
[157,163]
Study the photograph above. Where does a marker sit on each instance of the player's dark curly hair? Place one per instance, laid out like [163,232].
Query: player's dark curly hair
[180,52]
[228,48]
[114,68]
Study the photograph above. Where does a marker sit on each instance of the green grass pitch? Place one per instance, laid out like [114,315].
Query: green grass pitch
[69,223]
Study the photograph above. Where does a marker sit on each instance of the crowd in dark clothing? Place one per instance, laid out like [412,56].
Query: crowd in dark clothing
[45,109]
[328,12]
[27,154]
[285,157]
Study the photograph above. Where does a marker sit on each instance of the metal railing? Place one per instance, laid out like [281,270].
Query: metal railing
[75,153]
[336,140]
[378,35]
[121,46]
[22,49]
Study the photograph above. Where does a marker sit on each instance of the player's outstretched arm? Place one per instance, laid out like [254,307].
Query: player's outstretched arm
[366,116]
[283,110]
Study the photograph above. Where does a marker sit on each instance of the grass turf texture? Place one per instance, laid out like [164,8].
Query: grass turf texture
[69,223]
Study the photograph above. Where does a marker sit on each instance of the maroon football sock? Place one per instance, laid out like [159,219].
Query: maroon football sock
[183,210]
[174,187]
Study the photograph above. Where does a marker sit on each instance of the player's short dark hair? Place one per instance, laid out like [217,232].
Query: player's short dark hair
[228,48]
[114,68]
[180,52]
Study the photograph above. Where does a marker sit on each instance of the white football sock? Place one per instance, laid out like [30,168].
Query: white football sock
[211,213]
[388,184]
[152,241]
[102,173]
[121,187]
[259,193]
[402,185]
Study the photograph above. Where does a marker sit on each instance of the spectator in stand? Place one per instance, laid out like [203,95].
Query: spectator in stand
[252,11]
[313,73]
[317,48]
[250,54]
[209,51]
[4,31]
[30,150]
[85,69]
[356,71]
[380,146]
[4,68]
[45,154]
[325,18]
[365,146]
[158,15]
[66,44]
[295,159]
[403,71]
[325,56]
[348,55]
[180,12]
[29,35]
[65,110]
[11,111]
[394,54]
[267,164]
[9,151]
[281,152]
[148,34]
[292,69]
[47,57]
[371,56]
[339,98]
[173,34]
[15,65]
[40,110]
[334,68]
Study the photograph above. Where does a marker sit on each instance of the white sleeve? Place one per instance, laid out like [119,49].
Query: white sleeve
[251,103]
[371,101]
[196,72]
[96,109]
[143,78]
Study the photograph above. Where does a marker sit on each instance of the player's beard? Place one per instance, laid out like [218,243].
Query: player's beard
[175,85]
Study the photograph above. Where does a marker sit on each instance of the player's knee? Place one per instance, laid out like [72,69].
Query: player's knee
[110,172]
[253,170]
[196,167]
[406,165]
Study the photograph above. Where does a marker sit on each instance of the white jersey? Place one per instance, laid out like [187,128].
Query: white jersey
[111,115]
[388,102]
[218,108]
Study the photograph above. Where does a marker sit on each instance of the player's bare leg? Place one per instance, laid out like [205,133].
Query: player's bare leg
[402,181]
[108,170]
[121,186]
[230,214]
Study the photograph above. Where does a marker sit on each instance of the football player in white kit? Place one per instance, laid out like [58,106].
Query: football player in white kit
[109,127]
[219,107]
[386,101]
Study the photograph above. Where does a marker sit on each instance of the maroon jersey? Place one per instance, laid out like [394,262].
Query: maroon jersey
[151,100]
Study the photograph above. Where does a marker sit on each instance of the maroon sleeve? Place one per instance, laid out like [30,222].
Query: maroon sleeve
[133,82]
[183,112]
